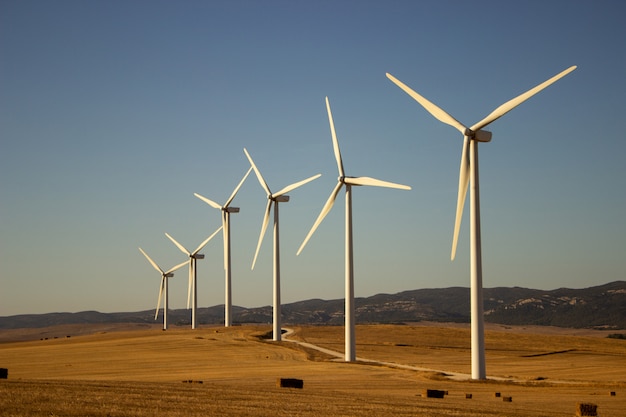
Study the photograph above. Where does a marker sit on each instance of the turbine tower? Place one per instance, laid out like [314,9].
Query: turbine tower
[163,290]
[348,182]
[469,174]
[192,288]
[275,198]
[226,211]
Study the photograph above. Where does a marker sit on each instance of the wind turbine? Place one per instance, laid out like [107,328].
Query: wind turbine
[275,198]
[193,274]
[163,290]
[469,173]
[226,211]
[348,182]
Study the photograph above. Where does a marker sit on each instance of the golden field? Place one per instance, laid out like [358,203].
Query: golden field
[139,371]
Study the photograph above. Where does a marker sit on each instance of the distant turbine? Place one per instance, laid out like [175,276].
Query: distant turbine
[469,173]
[350,344]
[279,197]
[163,290]
[226,210]
[193,274]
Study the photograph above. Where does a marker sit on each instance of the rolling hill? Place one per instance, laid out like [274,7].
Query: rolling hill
[602,307]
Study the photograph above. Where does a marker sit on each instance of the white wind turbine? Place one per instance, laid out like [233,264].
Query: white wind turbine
[350,343]
[275,198]
[192,288]
[226,211]
[163,290]
[469,173]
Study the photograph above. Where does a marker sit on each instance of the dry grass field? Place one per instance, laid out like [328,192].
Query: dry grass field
[139,371]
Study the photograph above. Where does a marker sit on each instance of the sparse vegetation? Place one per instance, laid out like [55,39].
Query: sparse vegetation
[617,336]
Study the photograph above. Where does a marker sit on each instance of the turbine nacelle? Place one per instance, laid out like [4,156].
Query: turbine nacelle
[279,199]
[168,275]
[230,209]
[480,135]
[199,256]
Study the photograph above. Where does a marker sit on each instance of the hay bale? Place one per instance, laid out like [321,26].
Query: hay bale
[507,399]
[497,395]
[433,393]
[612,393]
[290,383]
[468,396]
[586,409]
[4,373]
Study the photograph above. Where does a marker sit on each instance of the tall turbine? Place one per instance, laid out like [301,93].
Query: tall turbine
[275,198]
[469,173]
[226,211]
[163,290]
[192,288]
[350,343]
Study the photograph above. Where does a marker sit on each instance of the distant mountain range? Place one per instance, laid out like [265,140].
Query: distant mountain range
[602,307]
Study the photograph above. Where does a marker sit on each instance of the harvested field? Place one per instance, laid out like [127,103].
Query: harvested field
[141,373]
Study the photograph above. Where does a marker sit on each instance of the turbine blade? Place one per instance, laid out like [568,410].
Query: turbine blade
[374,182]
[154,264]
[511,104]
[325,210]
[156,314]
[335,142]
[462,194]
[230,200]
[178,245]
[295,185]
[209,202]
[258,174]
[266,220]
[432,108]
[176,267]
[203,244]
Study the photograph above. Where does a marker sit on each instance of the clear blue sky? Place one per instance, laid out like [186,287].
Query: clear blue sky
[112,114]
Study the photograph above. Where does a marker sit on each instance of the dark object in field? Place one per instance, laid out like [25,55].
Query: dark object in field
[468,396]
[433,393]
[507,399]
[586,409]
[4,373]
[497,395]
[289,383]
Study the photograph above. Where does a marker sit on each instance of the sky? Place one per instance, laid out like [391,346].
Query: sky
[113,114]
